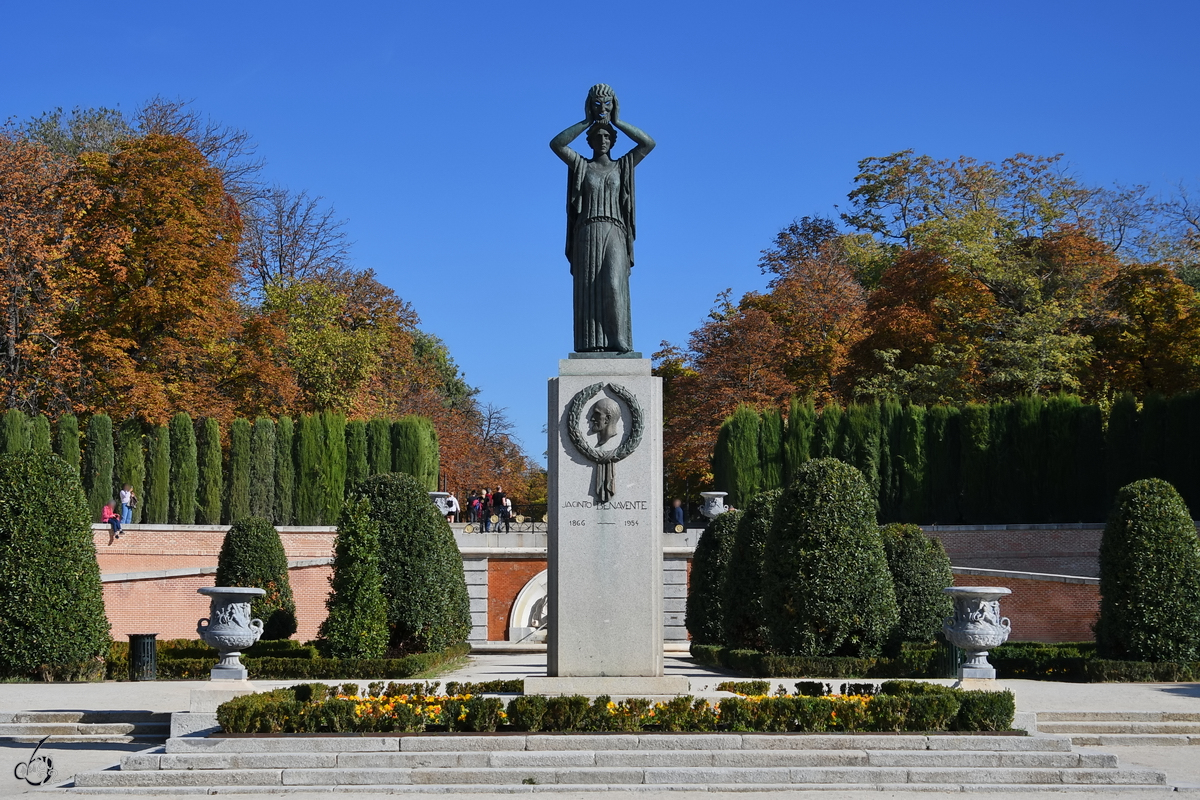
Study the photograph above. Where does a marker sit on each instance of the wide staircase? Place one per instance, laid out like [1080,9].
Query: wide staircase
[481,762]
[1123,728]
[85,726]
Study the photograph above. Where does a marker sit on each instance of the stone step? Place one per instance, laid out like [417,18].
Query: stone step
[620,758]
[1176,728]
[616,741]
[99,717]
[621,776]
[1117,716]
[14,729]
[1134,739]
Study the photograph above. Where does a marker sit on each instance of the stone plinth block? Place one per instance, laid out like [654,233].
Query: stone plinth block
[672,685]
[605,517]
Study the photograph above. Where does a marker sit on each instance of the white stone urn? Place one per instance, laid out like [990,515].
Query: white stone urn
[714,504]
[976,627]
[441,500]
[229,629]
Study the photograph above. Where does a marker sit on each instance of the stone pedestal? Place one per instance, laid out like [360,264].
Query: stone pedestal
[605,548]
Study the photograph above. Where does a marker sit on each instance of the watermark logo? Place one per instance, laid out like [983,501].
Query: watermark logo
[37,770]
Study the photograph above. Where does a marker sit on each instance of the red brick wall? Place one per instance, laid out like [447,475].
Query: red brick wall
[506,578]
[1044,611]
[143,549]
[1058,551]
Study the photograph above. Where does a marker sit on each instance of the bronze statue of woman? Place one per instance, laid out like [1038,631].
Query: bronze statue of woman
[600,223]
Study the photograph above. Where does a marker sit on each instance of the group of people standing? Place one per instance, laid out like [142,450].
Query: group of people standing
[483,505]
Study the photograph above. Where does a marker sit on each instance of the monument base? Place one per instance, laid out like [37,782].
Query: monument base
[672,685]
[978,684]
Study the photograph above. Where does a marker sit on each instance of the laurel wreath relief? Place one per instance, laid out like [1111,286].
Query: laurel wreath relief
[632,440]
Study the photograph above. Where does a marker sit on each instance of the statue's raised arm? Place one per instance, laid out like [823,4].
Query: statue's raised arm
[601,223]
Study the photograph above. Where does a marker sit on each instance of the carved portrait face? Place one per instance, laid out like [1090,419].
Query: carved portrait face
[602,420]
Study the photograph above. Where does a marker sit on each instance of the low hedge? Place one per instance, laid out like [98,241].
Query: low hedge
[915,661]
[189,659]
[316,708]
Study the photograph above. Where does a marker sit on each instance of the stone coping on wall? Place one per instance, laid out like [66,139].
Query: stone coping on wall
[1027,576]
[179,572]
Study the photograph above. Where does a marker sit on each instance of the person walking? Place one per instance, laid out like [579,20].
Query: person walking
[452,508]
[675,518]
[128,504]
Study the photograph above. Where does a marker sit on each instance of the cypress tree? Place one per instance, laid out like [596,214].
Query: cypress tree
[1121,443]
[184,473]
[310,466]
[210,479]
[335,465]
[770,449]
[860,444]
[975,427]
[379,447]
[237,489]
[39,438]
[1028,460]
[253,555]
[1001,466]
[66,444]
[705,617]
[722,458]
[415,449]
[801,429]
[356,452]
[1149,577]
[944,453]
[745,476]
[285,472]
[262,469]
[98,464]
[890,470]
[827,442]
[158,477]
[817,604]
[1090,464]
[131,464]
[912,464]
[356,626]
[14,432]
[1152,432]
[1176,445]
[1060,494]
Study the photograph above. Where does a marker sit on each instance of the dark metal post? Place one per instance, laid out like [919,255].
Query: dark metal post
[143,656]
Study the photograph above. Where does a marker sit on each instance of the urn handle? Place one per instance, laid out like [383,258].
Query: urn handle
[1005,623]
[202,625]
[256,625]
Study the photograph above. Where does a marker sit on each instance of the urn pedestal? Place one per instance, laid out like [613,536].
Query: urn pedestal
[229,629]
[714,504]
[976,627]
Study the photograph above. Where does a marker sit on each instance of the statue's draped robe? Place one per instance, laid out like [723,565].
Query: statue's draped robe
[600,234]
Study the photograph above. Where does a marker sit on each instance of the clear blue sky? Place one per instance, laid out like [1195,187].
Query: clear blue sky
[426,125]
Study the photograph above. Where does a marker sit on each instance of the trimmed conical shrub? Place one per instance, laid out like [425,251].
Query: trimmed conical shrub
[801,429]
[357,625]
[97,469]
[237,489]
[310,467]
[66,441]
[826,585]
[131,464]
[53,621]
[262,469]
[421,567]
[745,617]
[415,450]
[184,473]
[705,618]
[253,555]
[1149,577]
[39,437]
[158,477]
[285,471]
[737,468]
[920,571]
[356,452]
[210,473]
[379,447]
[335,466]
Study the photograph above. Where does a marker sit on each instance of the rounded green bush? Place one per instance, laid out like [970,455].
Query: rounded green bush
[49,580]
[826,586]
[1149,577]
[705,618]
[421,566]
[745,618]
[252,555]
[357,623]
[920,571]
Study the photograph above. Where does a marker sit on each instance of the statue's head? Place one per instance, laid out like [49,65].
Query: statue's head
[601,104]
[602,419]
[600,137]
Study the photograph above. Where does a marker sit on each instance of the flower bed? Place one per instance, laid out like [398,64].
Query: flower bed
[898,706]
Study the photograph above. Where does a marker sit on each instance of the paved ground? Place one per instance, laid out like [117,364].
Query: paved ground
[1182,764]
